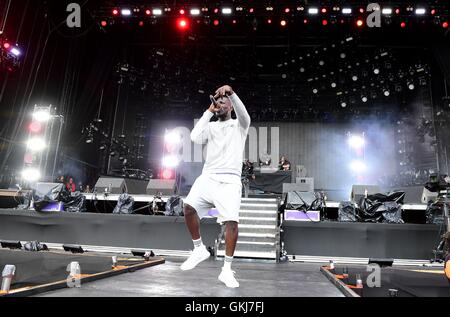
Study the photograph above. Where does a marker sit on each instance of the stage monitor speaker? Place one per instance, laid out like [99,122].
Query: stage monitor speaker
[359,191]
[45,189]
[111,184]
[165,187]
[301,171]
[305,180]
[428,196]
[297,187]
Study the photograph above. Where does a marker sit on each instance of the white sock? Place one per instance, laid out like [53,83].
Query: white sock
[227,262]
[198,243]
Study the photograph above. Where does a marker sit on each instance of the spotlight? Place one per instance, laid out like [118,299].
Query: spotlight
[333,85]
[315,91]
[170,161]
[172,138]
[115,12]
[182,11]
[36,144]
[343,104]
[386,11]
[376,71]
[31,174]
[283,23]
[157,12]
[445,25]
[195,11]
[359,23]
[403,25]
[364,99]
[356,141]
[346,11]
[354,78]
[216,22]
[433,11]
[148,12]
[6,45]
[42,115]
[324,22]
[324,10]
[103,23]
[167,174]
[386,92]
[90,139]
[411,85]
[420,11]
[15,51]
[126,12]
[35,127]
[226,11]
[182,24]
[286,10]
[358,166]
[313,11]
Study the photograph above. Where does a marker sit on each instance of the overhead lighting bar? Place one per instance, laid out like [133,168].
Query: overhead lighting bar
[346,10]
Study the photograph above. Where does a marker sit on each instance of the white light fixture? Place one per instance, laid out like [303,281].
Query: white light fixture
[170,161]
[157,12]
[386,11]
[172,138]
[358,166]
[36,144]
[313,10]
[346,11]
[42,115]
[31,174]
[356,141]
[126,12]
[226,10]
[420,11]
[195,11]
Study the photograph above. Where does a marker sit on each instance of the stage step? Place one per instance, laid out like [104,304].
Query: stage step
[260,200]
[257,206]
[257,221]
[250,254]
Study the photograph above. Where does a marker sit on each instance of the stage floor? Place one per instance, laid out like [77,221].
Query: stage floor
[257,279]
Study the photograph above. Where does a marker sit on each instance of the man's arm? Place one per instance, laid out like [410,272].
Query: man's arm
[241,113]
[199,133]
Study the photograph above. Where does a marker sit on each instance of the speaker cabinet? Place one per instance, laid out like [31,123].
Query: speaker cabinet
[298,187]
[111,184]
[359,191]
[164,186]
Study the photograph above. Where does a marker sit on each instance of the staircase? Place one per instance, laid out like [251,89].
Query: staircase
[259,233]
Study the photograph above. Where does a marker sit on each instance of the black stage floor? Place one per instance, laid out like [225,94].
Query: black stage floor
[257,279]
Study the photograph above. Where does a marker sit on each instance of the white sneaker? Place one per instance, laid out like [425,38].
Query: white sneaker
[199,254]
[227,277]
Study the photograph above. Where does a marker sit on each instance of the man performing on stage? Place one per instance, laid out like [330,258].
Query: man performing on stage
[220,183]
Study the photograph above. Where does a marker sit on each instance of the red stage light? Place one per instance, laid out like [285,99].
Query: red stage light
[251,10]
[403,25]
[182,24]
[141,23]
[216,10]
[167,174]
[182,11]
[104,23]
[234,21]
[324,10]
[269,21]
[324,22]
[6,45]
[148,12]
[397,11]
[115,12]
[286,10]
[445,25]
[35,127]
[216,22]
[360,23]
[305,21]
[361,10]
[283,23]
[433,11]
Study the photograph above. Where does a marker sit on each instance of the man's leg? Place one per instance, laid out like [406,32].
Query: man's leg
[231,236]
[200,253]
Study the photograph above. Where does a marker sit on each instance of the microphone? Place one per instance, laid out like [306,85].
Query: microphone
[214,102]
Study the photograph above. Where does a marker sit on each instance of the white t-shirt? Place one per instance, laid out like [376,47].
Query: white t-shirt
[225,143]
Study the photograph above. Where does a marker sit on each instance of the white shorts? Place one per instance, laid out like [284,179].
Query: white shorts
[207,193]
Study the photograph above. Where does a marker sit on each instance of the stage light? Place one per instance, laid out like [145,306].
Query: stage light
[182,11]
[195,11]
[141,23]
[15,51]
[167,174]
[397,11]
[359,23]
[35,127]
[354,78]
[170,161]
[157,12]
[251,10]
[115,12]
[36,144]
[358,166]
[315,91]
[226,11]
[433,11]
[346,11]
[333,85]
[324,10]
[6,45]
[376,71]
[324,22]
[104,23]
[364,99]
[420,11]
[216,22]
[283,23]
[286,10]
[356,141]
[269,21]
[445,25]
[403,25]
[41,115]
[386,92]
[313,10]
[182,24]
[343,104]
[305,21]
[172,138]
[386,11]
[411,85]
[126,12]
[31,174]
